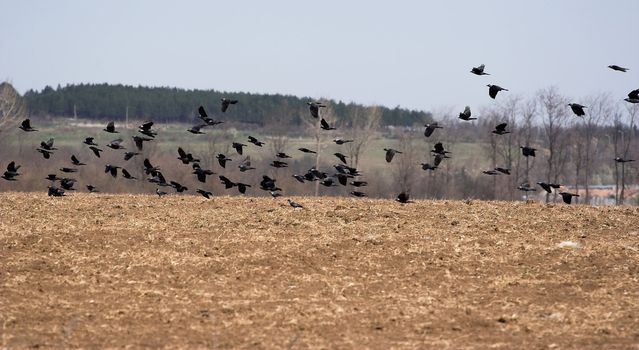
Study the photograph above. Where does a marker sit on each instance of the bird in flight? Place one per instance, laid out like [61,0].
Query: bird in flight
[110,128]
[479,70]
[340,156]
[618,68]
[75,161]
[145,129]
[341,142]
[430,128]
[567,196]
[622,160]
[465,115]
[226,103]
[255,141]
[494,89]
[500,129]
[633,96]
[26,125]
[195,129]
[205,194]
[527,151]
[222,160]
[325,126]
[577,109]
[403,198]
[306,150]
[548,186]
[314,108]
[390,154]
[238,147]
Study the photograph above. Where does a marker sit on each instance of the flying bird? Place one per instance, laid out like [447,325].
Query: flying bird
[282,155]
[245,165]
[465,115]
[430,128]
[255,141]
[127,175]
[68,170]
[617,68]
[567,196]
[89,141]
[209,121]
[149,169]
[427,166]
[222,160]
[633,96]
[340,156]
[306,150]
[92,189]
[341,142]
[278,164]
[359,183]
[527,151]
[390,154]
[325,126]
[205,194]
[145,129]
[299,178]
[26,125]
[479,70]
[577,109]
[110,128]
[116,144]
[129,155]
[46,154]
[112,169]
[622,160]
[226,103]
[490,172]
[226,182]
[241,187]
[358,194]
[500,129]
[178,187]
[48,145]
[195,129]
[548,186]
[139,141]
[439,150]
[314,108]
[201,173]
[12,171]
[238,147]
[503,170]
[186,158]
[160,193]
[494,89]
[55,192]
[75,161]
[268,184]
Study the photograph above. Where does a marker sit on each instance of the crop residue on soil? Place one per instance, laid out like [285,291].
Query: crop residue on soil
[182,271]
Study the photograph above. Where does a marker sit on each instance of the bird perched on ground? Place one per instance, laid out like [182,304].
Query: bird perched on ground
[75,161]
[622,160]
[500,129]
[205,194]
[222,159]
[548,186]
[129,155]
[195,129]
[358,194]
[127,175]
[115,144]
[314,108]
[633,96]
[294,204]
[617,68]
[430,128]
[494,89]
[92,189]
[390,154]
[139,141]
[479,70]
[341,142]
[306,150]
[110,128]
[145,129]
[324,125]
[255,141]
[26,125]
[567,196]
[403,198]
[89,141]
[226,102]
[340,156]
[527,151]
[186,158]
[577,109]
[465,115]
[112,169]
[238,147]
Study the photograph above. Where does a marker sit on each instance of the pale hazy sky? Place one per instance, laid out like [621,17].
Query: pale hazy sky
[415,54]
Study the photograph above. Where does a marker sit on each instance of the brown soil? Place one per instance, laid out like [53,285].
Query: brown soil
[96,271]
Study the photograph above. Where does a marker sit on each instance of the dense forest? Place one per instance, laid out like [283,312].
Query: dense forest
[112,102]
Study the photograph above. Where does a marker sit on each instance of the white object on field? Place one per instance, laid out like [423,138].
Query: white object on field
[569,244]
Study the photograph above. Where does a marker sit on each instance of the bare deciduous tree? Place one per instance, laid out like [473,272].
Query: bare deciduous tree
[553,118]
[364,124]
[12,106]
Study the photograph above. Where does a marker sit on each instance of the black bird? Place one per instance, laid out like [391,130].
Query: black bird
[129,155]
[115,144]
[158,178]
[490,172]
[313,174]
[359,194]
[127,175]
[195,129]
[526,188]
[500,129]
[328,182]
[324,125]
[299,178]
[241,187]
[75,161]
[206,119]
[46,154]
[139,141]
[341,142]
[9,176]
[149,169]
[617,68]
[222,160]
[633,96]
[577,109]
[479,70]
[53,177]
[275,194]
[503,170]
[55,192]
[294,204]
[359,183]
[427,166]
[113,169]
[567,196]
[527,151]
[110,128]
[341,157]
[13,168]
[178,187]
[186,158]
[226,103]
[255,141]
[342,178]
[201,173]
[205,194]
[494,89]
[160,193]
[238,147]
[268,184]
[390,153]
[278,164]
[306,150]
[48,146]
[439,149]
[548,186]
[226,182]
[92,189]
[282,155]
[430,128]
[465,115]
[438,159]
[345,169]
[403,198]
[145,129]
[89,141]
[622,160]
[67,184]
[26,125]
[245,165]
[314,108]
[68,170]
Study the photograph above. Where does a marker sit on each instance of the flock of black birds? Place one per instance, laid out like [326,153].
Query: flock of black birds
[343,171]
